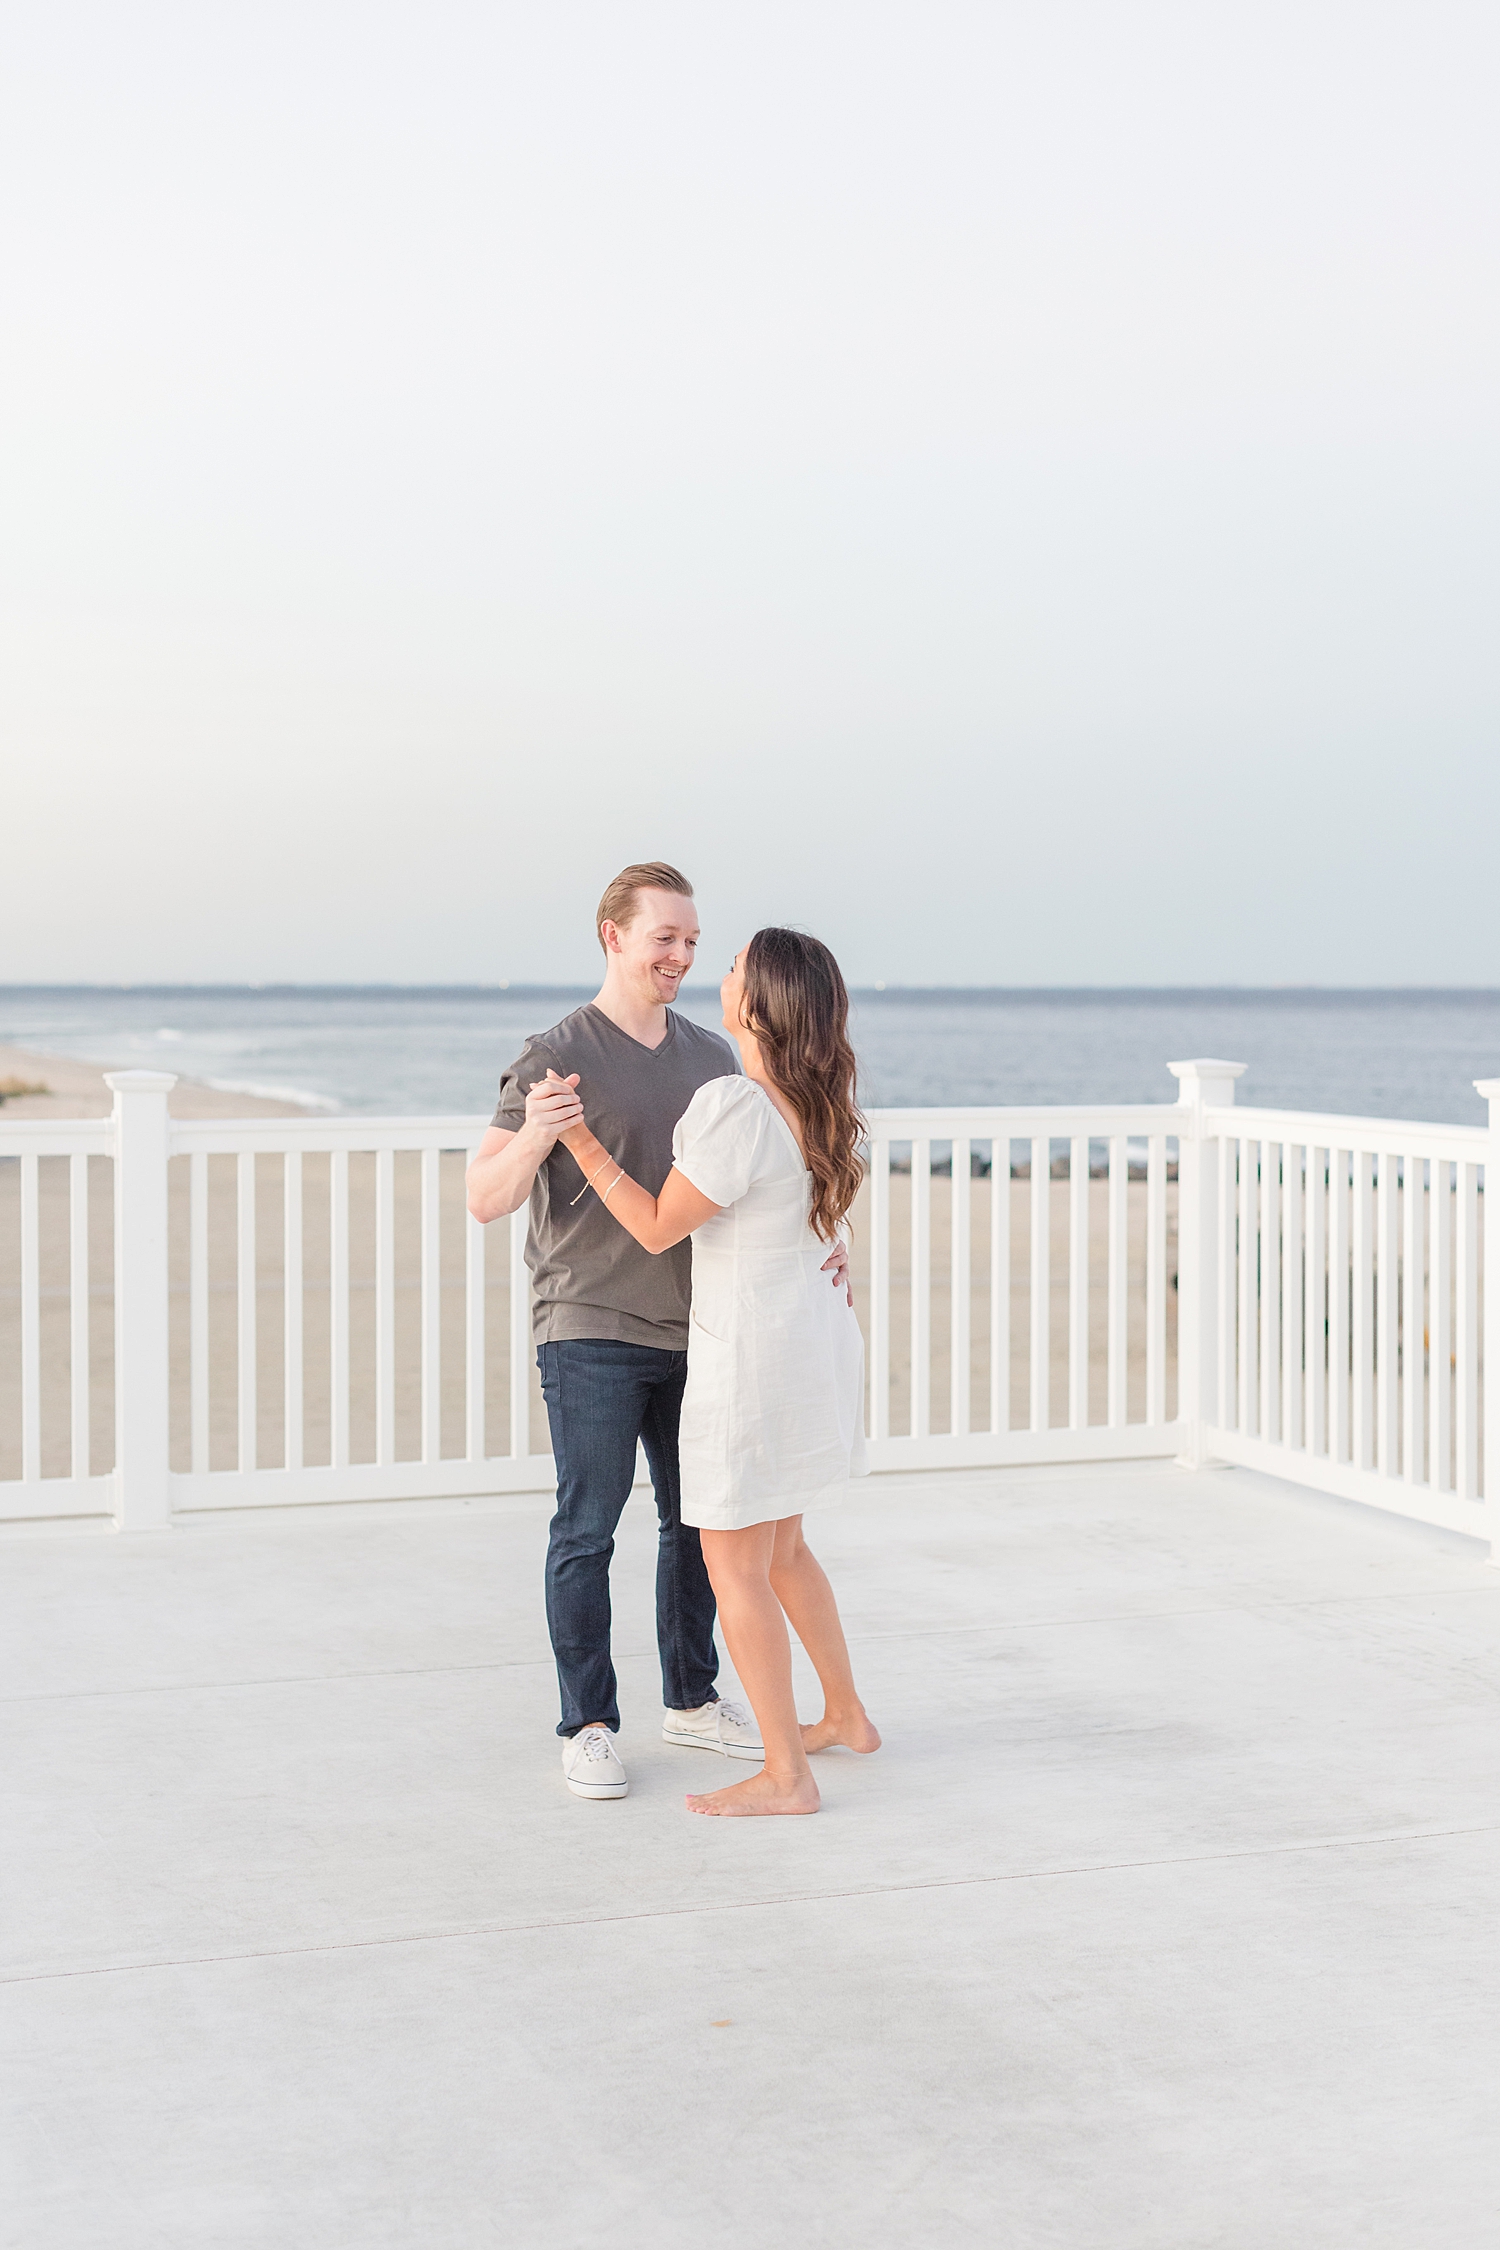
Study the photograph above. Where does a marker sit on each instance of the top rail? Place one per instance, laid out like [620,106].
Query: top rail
[70,1136]
[1054,1121]
[274,1136]
[1362,1135]
[35,1136]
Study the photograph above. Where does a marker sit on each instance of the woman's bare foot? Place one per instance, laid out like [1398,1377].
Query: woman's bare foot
[760,1794]
[852,1733]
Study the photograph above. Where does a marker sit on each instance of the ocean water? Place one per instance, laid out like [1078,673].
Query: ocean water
[419,1052]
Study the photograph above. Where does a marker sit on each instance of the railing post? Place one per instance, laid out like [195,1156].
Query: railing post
[141,1357]
[1489,1319]
[1204,1084]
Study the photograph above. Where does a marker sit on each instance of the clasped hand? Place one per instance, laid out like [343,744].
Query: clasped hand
[553,1107]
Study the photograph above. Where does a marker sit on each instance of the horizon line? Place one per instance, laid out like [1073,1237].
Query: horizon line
[878,990]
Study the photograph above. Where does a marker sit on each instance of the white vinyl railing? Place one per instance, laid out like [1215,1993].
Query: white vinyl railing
[197,1316]
[1349,1340]
[70,1149]
[1051,1299]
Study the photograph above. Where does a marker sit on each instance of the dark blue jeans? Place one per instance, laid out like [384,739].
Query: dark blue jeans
[601,1397]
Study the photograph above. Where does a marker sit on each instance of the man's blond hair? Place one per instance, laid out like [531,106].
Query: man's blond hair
[619,903]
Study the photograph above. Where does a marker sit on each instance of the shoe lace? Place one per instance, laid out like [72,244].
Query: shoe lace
[735,1714]
[596,1745]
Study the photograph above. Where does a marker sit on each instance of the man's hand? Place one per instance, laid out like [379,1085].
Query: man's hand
[552,1107]
[838,1266]
[506,1164]
[574,1128]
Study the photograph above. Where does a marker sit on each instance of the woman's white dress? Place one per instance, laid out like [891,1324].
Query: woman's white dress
[773,1413]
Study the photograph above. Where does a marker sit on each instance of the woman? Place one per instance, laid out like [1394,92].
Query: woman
[766,1167]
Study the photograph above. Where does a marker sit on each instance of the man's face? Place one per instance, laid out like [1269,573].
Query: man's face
[655,950]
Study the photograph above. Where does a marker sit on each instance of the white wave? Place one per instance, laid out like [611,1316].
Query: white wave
[264,1093]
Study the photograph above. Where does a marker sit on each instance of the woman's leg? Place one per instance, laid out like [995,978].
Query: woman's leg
[739,1566]
[801,1586]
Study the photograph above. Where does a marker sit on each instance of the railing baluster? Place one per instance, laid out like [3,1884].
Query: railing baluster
[474,1329]
[1413,1323]
[245,1279]
[960,1297]
[31,1323]
[1156,1279]
[1270,1290]
[1292,1432]
[385,1305]
[1387,1393]
[1000,1283]
[1231,1149]
[1440,1472]
[1364,1310]
[1078,1284]
[198,1361]
[921,1288]
[880,1289]
[141,1138]
[338,1307]
[1466,1332]
[1314,1324]
[291,1265]
[79,1395]
[432,1310]
[1041,1284]
[1118,1301]
[520,1337]
[1249,1307]
[1489,1406]
[1340,1293]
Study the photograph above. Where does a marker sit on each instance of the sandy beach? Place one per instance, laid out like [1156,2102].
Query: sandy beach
[77,1089]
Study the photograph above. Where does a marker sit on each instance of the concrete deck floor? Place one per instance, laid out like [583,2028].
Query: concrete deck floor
[1168,1916]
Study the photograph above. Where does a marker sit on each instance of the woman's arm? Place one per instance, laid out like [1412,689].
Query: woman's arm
[656,1221]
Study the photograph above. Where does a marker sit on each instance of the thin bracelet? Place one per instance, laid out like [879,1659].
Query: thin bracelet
[614,1183]
[588,1183]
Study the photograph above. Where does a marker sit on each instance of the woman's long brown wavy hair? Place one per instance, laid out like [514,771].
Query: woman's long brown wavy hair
[798,1008]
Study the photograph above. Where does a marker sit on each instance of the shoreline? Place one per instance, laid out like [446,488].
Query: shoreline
[76,1089]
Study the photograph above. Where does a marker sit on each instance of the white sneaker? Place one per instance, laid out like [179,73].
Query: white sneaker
[591,1767]
[729,1728]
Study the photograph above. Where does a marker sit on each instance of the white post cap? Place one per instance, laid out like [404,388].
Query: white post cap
[140,1081]
[1207,1079]
[1490,1089]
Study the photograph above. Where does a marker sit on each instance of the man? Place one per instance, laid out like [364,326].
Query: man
[611,1320]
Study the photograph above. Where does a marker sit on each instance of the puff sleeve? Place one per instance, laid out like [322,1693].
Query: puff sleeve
[718,1138]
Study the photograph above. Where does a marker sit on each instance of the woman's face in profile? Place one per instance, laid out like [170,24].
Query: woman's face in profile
[732,993]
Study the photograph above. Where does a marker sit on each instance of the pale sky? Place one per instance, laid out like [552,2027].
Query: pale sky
[1012,488]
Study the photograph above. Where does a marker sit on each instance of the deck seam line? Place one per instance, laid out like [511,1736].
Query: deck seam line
[856,1640]
[288,1679]
[750,1905]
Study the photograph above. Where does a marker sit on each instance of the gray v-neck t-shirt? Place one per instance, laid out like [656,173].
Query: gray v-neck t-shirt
[589,1277]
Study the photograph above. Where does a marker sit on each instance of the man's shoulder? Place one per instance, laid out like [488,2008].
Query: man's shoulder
[539,1050]
[573,1030]
[582,1038]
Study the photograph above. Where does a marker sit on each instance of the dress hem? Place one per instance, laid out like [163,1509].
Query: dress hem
[742,1518]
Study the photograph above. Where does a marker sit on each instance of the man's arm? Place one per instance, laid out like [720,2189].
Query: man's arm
[500,1177]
